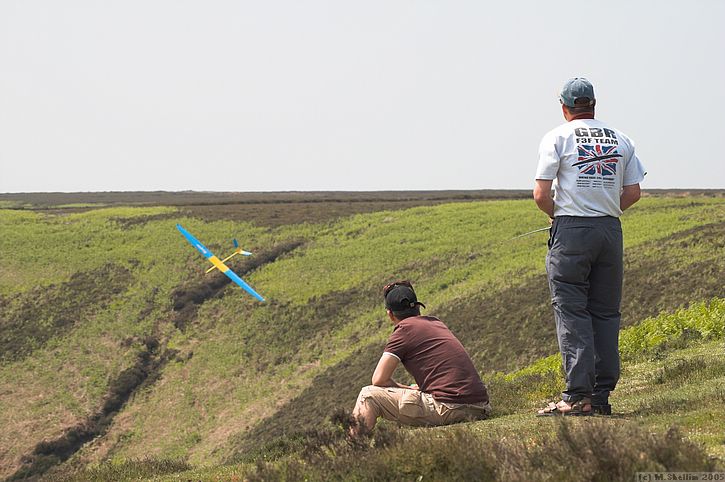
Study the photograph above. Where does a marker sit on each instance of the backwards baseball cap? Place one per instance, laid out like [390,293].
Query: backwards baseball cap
[400,297]
[577,88]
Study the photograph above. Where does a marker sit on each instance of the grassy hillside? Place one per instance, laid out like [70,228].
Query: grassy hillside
[669,418]
[116,346]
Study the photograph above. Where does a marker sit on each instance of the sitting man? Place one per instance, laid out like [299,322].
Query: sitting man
[448,388]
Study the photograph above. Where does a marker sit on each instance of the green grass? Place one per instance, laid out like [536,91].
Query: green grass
[239,363]
[136,469]
[651,337]
[704,320]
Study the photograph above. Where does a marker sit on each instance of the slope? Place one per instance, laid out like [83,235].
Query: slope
[668,418]
[235,374]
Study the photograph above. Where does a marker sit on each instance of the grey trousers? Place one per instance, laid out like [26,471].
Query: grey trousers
[584,267]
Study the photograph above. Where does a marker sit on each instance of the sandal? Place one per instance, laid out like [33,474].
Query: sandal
[581,407]
[604,409]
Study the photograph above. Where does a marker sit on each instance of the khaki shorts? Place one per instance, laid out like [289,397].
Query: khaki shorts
[413,407]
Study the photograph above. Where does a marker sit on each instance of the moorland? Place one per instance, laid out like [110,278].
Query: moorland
[120,359]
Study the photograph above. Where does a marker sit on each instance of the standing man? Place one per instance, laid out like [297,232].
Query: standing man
[595,175]
[448,388]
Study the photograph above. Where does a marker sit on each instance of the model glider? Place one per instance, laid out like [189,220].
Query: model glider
[219,264]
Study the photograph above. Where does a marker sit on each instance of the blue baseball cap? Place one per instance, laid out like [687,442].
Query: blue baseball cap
[574,89]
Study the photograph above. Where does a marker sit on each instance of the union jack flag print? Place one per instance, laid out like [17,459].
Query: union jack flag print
[598,159]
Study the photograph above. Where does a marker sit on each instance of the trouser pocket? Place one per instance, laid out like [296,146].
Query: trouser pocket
[411,404]
[454,413]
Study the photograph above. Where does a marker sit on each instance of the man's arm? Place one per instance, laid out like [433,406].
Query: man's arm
[383,375]
[630,195]
[542,196]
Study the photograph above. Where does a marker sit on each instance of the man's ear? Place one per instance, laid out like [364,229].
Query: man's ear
[390,315]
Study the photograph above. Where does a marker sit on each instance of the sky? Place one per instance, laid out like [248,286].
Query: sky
[236,95]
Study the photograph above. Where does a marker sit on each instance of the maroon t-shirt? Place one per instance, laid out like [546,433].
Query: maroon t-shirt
[437,360]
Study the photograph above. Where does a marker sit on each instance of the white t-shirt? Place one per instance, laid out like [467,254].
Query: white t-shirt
[589,163]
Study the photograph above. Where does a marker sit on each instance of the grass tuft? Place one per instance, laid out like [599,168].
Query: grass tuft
[133,469]
[592,450]
[510,395]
